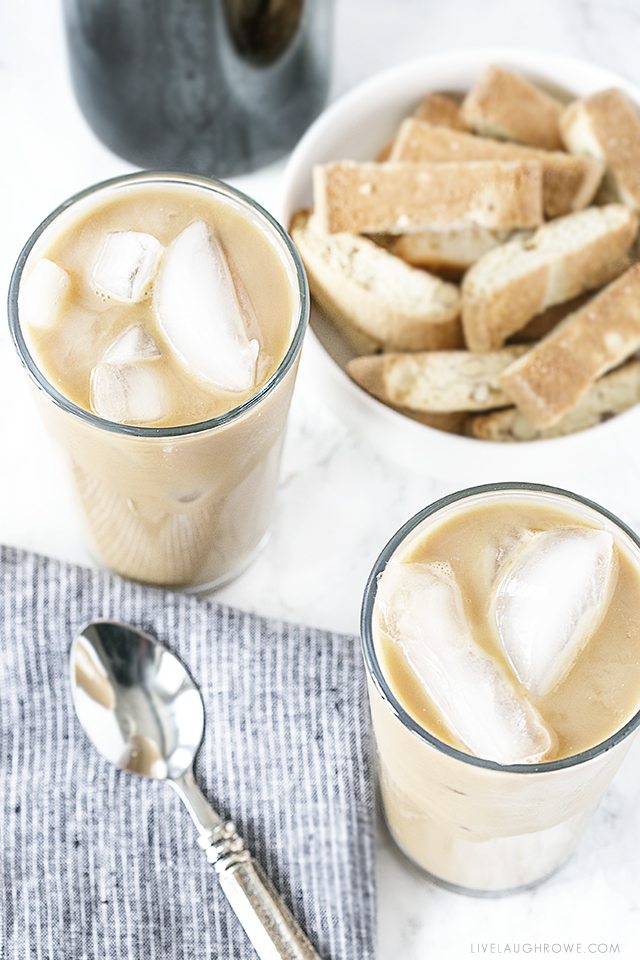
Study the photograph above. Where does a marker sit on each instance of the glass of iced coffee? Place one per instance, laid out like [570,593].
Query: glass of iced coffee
[161,317]
[501,635]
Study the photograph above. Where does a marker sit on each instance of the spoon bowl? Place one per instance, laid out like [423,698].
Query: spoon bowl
[135,700]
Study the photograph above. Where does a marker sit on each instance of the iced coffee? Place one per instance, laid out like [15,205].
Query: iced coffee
[162,316]
[502,638]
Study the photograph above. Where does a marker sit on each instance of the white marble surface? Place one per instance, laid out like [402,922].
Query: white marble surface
[339,499]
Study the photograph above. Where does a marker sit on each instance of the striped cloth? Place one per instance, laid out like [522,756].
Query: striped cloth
[101,864]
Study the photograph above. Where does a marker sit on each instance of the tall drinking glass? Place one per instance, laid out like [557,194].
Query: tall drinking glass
[186,506]
[474,825]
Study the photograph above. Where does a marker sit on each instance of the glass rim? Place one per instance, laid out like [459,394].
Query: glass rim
[159,176]
[376,673]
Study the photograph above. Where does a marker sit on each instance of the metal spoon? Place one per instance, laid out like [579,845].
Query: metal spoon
[143,712]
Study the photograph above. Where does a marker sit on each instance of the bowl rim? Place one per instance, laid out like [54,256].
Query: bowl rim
[546,64]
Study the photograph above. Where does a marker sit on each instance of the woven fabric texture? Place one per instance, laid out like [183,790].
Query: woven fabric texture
[97,863]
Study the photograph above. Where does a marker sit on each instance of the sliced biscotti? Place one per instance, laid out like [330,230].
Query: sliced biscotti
[441,111]
[612,394]
[435,108]
[440,382]
[503,104]
[397,306]
[508,286]
[399,197]
[607,126]
[446,251]
[553,376]
[568,182]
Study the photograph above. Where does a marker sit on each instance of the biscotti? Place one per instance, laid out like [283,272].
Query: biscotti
[568,182]
[435,108]
[508,286]
[443,382]
[445,251]
[606,125]
[503,104]
[358,283]
[552,377]
[612,394]
[398,197]
[441,111]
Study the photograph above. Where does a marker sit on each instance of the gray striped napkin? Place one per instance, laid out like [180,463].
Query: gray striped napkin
[100,864]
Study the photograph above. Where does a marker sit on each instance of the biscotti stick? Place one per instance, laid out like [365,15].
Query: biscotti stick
[397,197]
[607,126]
[440,110]
[435,108]
[451,252]
[358,283]
[439,382]
[568,182]
[553,376]
[503,104]
[612,394]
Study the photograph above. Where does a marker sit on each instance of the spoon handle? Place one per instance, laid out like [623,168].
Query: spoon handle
[270,926]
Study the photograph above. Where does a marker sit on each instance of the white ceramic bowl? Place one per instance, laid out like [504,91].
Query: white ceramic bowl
[355,127]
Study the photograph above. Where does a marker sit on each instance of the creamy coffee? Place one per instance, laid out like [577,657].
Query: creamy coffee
[119,268]
[599,690]
[167,307]
[506,627]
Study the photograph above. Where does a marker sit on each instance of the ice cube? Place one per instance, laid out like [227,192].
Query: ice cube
[128,393]
[200,313]
[423,612]
[134,344]
[550,598]
[43,294]
[126,265]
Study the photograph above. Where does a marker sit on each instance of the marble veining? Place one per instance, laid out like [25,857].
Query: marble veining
[339,499]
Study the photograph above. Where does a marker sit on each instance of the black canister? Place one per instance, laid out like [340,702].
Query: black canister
[207,86]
